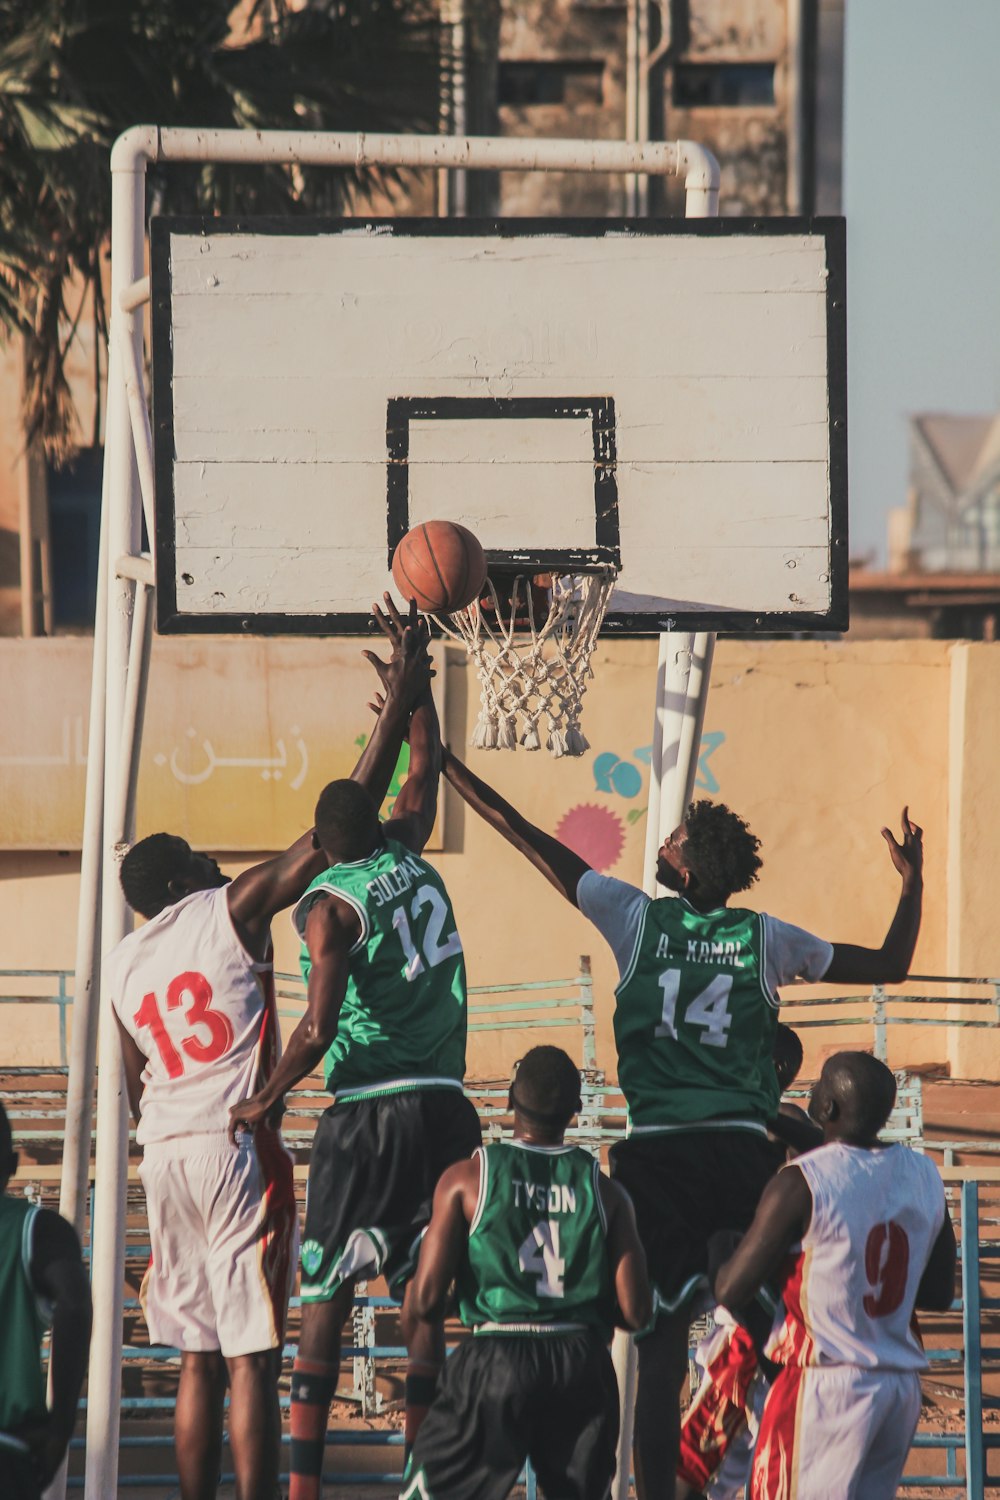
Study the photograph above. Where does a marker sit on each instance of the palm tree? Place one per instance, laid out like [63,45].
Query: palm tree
[75,73]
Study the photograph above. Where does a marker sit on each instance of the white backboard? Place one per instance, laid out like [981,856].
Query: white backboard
[668,396]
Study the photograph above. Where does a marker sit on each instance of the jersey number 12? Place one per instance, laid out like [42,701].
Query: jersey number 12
[434,950]
[709,1009]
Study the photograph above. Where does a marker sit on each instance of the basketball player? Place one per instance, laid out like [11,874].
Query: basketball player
[694,1027]
[864,1235]
[387,1010]
[720,1425]
[43,1282]
[193,994]
[540,1245]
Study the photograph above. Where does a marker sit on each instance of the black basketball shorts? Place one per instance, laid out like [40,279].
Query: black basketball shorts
[552,1398]
[372,1174]
[685,1186]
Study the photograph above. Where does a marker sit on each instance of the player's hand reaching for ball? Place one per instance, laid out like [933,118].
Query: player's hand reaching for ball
[908,856]
[408,672]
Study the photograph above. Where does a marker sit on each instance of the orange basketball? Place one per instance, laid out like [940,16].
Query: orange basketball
[441,565]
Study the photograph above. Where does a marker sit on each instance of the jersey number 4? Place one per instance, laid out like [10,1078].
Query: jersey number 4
[709,1009]
[539,1256]
[198,1013]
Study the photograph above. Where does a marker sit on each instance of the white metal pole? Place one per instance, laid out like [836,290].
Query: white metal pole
[460,196]
[104,1384]
[87,972]
[631,95]
[642,102]
[683,676]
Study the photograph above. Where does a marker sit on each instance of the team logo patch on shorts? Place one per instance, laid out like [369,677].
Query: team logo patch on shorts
[312,1256]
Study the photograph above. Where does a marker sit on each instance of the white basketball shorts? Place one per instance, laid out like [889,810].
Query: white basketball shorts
[224,1242]
[834,1432]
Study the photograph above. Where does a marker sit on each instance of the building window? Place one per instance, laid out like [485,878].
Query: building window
[75,521]
[728,85]
[568,82]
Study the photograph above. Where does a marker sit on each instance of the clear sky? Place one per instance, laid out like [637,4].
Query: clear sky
[922,199]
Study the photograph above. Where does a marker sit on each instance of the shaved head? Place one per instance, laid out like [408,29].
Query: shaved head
[854,1097]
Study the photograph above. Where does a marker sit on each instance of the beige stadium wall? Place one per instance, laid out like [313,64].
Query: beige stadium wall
[817,744]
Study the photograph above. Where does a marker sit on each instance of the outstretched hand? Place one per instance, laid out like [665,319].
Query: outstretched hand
[908,856]
[408,672]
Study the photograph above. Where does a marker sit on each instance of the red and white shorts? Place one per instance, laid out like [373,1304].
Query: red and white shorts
[835,1431]
[224,1239]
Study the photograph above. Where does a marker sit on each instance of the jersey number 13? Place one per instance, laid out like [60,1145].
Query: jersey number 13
[218,1028]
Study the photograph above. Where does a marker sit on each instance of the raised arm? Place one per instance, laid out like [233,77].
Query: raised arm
[59,1275]
[626,1256]
[560,866]
[444,1238]
[416,806]
[936,1291]
[782,1217]
[889,964]
[261,892]
[332,929]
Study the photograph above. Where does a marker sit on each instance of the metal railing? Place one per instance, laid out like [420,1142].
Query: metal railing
[570,1003]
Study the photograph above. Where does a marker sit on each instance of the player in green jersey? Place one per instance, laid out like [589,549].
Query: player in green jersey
[43,1283]
[541,1246]
[386,1014]
[694,1026]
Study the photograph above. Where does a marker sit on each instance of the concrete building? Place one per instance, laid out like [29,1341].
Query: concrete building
[758,81]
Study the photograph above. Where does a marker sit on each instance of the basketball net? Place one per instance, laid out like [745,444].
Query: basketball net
[533,672]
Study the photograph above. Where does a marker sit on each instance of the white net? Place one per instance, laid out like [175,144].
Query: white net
[534,663]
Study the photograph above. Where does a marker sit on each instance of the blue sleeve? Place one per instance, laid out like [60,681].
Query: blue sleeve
[616,909]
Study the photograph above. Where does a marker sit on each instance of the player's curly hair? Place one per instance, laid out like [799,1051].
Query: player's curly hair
[346,820]
[147,870]
[719,850]
[786,1054]
[546,1086]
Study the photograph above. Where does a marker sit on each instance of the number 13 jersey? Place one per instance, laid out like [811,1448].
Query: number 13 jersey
[403,1021]
[201,1011]
[851,1287]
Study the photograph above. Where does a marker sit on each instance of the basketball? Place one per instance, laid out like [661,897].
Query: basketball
[441,565]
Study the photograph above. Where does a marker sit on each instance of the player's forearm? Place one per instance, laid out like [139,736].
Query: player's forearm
[379,758]
[560,866]
[306,1048]
[889,964]
[71,1323]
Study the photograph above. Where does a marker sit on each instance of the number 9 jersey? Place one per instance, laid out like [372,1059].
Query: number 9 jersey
[201,1012]
[403,1021]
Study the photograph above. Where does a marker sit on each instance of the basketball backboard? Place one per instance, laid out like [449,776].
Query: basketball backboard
[668,397]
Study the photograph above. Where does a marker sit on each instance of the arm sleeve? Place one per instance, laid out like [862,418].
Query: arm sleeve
[792,953]
[616,909]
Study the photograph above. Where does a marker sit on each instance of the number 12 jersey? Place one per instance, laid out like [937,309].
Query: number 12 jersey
[403,1021]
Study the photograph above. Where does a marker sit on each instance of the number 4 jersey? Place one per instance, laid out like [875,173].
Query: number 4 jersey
[403,1021]
[201,1011]
[537,1260]
[850,1288]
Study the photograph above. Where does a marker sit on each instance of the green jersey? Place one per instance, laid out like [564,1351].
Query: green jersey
[24,1319]
[695,1023]
[403,1021]
[536,1260]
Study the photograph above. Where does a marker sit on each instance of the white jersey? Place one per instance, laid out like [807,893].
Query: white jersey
[852,1285]
[202,1013]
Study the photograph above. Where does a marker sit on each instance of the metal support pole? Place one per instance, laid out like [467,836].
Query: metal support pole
[87,974]
[108,1266]
[683,677]
[972,1339]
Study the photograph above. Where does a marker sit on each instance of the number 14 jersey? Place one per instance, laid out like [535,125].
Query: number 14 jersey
[202,1013]
[403,1021]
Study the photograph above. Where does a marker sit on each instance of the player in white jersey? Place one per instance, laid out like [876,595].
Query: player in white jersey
[193,996]
[861,1235]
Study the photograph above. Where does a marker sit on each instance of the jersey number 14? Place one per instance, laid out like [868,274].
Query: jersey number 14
[709,1009]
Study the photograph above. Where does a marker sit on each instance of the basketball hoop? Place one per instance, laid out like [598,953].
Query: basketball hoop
[532,643]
